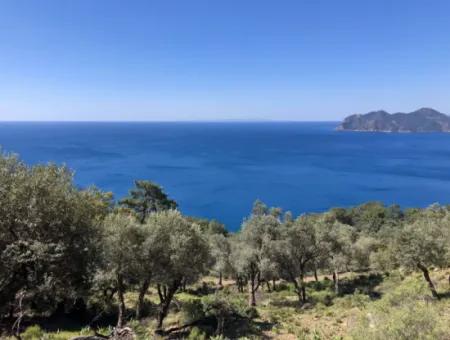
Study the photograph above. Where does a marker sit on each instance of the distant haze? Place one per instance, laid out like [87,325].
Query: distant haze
[111,60]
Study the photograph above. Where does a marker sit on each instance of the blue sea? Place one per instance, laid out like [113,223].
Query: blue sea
[217,170]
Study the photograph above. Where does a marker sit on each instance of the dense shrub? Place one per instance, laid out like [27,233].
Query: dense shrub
[34,332]
[193,310]
[197,334]
[410,321]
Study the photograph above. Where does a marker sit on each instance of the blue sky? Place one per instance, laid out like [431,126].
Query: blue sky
[227,59]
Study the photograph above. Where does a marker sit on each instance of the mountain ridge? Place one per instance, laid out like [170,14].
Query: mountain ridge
[422,120]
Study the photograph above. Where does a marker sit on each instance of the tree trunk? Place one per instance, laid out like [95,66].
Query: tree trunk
[220,279]
[268,286]
[120,292]
[251,293]
[336,281]
[298,286]
[220,324]
[241,286]
[274,287]
[298,289]
[253,285]
[302,287]
[165,298]
[16,327]
[140,302]
[426,275]
[162,313]
[111,295]
[315,274]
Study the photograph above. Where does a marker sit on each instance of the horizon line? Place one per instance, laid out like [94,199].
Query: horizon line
[173,121]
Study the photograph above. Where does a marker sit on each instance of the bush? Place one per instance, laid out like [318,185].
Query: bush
[405,323]
[320,285]
[193,310]
[355,300]
[34,332]
[251,313]
[408,291]
[139,330]
[197,334]
[283,286]
[325,297]
[402,313]
[148,308]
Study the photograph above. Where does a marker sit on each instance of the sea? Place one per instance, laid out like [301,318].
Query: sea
[217,170]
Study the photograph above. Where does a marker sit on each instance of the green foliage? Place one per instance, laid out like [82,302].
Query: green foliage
[141,332]
[324,297]
[34,332]
[197,334]
[193,310]
[184,251]
[122,243]
[147,197]
[218,337]
[425,241]
[217,305]
[60,244]
[303,244]
[356,299]
[402,323]
[402,313]
[209,227]
[250,256]
[220,252]
[48,234]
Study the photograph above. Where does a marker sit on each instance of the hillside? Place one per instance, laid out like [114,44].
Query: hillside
[74,262]
[422,120]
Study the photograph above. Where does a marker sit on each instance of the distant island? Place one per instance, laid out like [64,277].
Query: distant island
[422,120]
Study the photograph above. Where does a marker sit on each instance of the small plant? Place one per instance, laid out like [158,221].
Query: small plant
[85,331]
[139,330]
[218,337]
[197,334]
[34,332]
[251,313]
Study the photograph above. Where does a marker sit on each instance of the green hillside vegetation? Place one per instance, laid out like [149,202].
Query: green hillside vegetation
[76,264]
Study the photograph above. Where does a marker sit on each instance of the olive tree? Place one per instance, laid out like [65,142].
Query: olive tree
[252,247]
[425,243]
[339,249]
[302,242]
[220,253]
[123,238]
[183,257]
[236,265]
[49,232]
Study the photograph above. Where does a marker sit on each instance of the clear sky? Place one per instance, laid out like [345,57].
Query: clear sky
[221,59]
